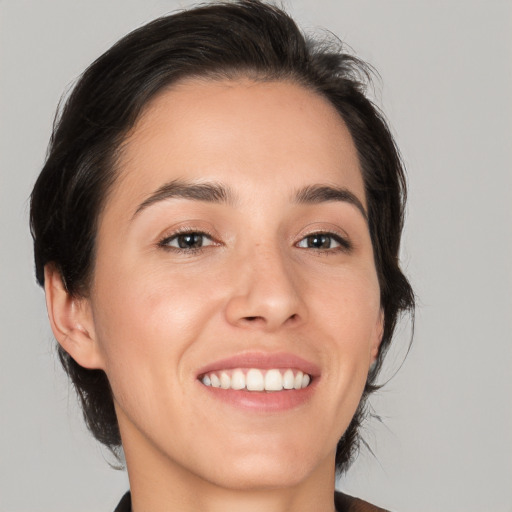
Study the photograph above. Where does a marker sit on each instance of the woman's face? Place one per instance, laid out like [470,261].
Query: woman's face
[233,251]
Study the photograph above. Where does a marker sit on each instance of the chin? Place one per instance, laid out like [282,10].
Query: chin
[267,469]
[260,475]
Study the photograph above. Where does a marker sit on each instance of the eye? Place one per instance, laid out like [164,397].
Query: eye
[324,241]
[192,240]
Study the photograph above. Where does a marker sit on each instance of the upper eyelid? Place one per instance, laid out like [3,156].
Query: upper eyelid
[332,232]
[185,230]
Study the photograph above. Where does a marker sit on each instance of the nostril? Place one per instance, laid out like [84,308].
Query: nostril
[254,319]
[292,319]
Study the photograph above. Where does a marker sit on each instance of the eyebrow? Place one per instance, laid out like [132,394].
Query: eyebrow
[218,193]
[208,192]
[315,194]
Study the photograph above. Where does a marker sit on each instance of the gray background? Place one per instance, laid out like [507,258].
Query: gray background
[446,68]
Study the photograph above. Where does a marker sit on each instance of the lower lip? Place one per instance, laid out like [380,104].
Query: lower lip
[261,401]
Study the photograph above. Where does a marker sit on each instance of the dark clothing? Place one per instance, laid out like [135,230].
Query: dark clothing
[343,503]
[125,505]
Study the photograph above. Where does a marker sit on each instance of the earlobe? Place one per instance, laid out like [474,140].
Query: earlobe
[71,320]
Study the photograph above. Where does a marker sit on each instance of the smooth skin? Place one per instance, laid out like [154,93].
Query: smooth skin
[258,271]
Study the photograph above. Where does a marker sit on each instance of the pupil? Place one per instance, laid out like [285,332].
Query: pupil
[320,241]
[189,241]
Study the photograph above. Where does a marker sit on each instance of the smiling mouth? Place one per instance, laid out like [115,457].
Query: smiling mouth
[254,379]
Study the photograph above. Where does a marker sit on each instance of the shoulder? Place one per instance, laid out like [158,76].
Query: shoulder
[346,503]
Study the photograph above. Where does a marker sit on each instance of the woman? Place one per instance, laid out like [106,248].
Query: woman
[217,229]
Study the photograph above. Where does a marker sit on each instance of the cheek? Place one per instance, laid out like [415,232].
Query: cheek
[349,316]
[349,306]
[147,324]
[146,316]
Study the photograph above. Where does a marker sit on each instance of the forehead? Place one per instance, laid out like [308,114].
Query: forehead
[249,135]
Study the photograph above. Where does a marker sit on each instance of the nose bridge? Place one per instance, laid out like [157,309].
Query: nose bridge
[265,291]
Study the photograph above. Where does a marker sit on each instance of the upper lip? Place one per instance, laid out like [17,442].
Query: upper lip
[262,360]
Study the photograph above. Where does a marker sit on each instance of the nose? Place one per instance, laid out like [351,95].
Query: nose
[266,292]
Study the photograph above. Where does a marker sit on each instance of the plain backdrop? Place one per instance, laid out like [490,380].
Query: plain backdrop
[445,443]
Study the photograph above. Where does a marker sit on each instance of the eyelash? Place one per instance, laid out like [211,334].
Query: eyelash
[344,244]
[163,243]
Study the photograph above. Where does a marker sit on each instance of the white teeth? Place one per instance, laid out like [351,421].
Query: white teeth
[238,380]
[215,381]
[273,381]
[225,381]
[254,380]
[257,380]
[288,379]
[297,384]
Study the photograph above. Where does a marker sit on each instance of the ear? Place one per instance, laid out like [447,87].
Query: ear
[71,320]
[377,337]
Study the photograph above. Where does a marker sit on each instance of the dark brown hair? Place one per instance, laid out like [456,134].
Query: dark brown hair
[246,38]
